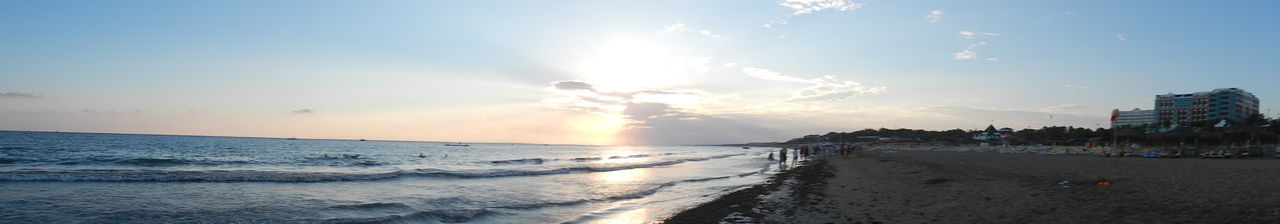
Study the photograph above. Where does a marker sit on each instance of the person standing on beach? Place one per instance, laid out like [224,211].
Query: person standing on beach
[804,151]
[796,153]
[782,155]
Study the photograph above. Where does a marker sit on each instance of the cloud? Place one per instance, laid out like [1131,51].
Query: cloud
[1069,86]
[581,96]
[934,16]
[834,91]
[765,74]
[969,34]
[801,7]
[676,29]
[1121,37]
[572,85]
[25,95]
[1064,107]
[977,117]
[661,124]
[304,111]
[970,51]
[827,88]
[659,116]
[965,54]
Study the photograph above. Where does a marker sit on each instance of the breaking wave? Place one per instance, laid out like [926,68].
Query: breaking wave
[144,175]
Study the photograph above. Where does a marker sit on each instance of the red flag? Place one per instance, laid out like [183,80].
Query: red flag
[1115,114]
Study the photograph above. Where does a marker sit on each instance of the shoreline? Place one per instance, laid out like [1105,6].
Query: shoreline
[747,206]
[889,186]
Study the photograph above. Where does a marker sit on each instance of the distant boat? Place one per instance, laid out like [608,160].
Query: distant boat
[458,144]
[744,147]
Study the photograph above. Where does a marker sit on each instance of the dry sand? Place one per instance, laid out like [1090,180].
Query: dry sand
[975,187]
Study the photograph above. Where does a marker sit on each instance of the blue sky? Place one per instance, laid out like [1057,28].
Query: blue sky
[613,72]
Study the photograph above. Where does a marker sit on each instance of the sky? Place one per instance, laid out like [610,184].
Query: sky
[614,72]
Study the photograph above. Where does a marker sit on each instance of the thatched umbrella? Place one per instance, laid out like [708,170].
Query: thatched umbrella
[1129,134]
[1179,135]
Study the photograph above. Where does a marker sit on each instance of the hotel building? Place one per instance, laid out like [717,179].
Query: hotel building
[1134,118]
[1231,104]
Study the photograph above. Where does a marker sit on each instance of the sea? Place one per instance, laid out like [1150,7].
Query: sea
[51,177]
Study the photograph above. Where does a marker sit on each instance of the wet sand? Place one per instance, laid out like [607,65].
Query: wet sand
[976,187]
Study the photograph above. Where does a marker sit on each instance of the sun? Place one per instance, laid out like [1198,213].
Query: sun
[599,129]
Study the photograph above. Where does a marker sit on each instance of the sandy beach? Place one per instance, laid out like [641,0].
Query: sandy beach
[984,187]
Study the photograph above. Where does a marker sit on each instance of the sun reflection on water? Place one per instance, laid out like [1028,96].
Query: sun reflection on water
[639,215]
[622,175]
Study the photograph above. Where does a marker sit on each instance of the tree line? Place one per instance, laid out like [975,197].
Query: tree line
[1254,130]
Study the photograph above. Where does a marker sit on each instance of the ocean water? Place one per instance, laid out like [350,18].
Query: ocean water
[115,178]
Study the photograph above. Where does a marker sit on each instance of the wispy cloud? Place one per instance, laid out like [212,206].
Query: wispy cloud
[978,117]
[304,111]
[1121,37]
[583,96]
[969,34]
[934,16]
[25,95]
[965,54]
[970,51]
[765,74]
[656,123]
[1064,107]
[801,7]
[1070,86]
[572,85]
[676,29]
[827,88]
[832,90]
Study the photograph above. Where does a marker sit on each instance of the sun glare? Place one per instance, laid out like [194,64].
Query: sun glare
[601,128]
[630,64]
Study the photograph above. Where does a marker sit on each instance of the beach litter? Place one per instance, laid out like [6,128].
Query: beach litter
[1064,184]
[1103,183]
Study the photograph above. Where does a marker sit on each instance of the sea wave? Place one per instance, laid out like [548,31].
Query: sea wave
[626,196]
[8,160]
[148,175]
[433,216]
[8,148]
[520,161]
[632,195]
[378,205]
[586,159]
[148,162]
